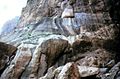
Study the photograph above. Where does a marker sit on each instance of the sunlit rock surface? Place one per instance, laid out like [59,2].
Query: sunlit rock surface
[18,64]
[68,12]
[71,71]
[85,46]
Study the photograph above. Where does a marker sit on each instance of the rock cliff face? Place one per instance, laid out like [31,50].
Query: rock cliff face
[76,14]
[37,9]
[63,39]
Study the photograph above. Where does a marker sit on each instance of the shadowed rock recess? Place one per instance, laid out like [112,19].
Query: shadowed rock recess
[63,39]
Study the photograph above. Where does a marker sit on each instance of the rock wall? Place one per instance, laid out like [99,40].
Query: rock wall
[83,46]
[37,9]
[57,56]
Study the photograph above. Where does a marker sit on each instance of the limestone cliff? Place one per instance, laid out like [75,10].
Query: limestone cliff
[63,39]
[37,9]
[85,12]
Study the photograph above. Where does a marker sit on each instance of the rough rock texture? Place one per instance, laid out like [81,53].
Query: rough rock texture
[32,69]
[85,46]
[91,52]
[74,72]
[47,13]
[113,72]
[18,64]
[37,9]
[7,53]
[87,71]
[71,71]
[68,12]
[47,53]
[97,58]
[54,49]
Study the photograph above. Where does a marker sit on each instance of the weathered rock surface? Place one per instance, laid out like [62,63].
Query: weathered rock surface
[47,44]
[68,12]
[36,10]
[74,72]
[113,72]
[47,53]
[54,49]
[71,71]
[7,52]
[18,64]
[97,58]
[41,13]
[87,71]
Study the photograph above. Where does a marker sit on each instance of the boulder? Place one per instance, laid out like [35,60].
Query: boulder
[70,71]
[113,73]
[86,71]
[49,74]
[54,49]
[48,52]
[31,70]
[64,72]
[73,72]
[63,4]
[18,64]
[97,58]
[68,12]
[7,52]
[81,46]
